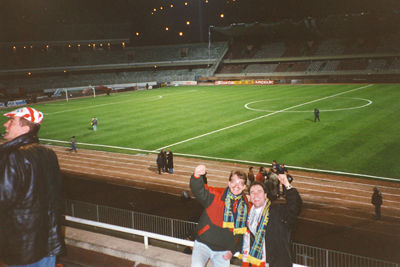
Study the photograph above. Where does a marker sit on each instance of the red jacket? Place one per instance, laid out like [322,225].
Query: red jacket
[209,228]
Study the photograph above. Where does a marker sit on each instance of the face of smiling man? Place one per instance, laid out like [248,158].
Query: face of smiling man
[236,185]
[14,128]
[257,196]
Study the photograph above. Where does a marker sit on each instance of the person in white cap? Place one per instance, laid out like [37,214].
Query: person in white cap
[30,190]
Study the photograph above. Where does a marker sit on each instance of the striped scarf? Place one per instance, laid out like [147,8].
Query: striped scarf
[235,220]
[255,255]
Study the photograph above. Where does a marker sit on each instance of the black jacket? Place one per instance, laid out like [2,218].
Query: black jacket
[282,218]
[30,188]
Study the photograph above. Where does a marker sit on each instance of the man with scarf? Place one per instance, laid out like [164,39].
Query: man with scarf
[223,222]
[269,225]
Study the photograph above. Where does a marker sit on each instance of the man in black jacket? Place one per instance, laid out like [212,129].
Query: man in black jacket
[30,189]
[269,226]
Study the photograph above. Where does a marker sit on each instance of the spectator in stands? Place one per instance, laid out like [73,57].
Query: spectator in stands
[223,222]
[316,114]
[30,192]
[73,144]
[276,166]
[283,169]
[273,178]
[261,175]
[94,123]
[164,160]
[159,162]
[376,200]
[250,175]
[170,161]
[269,226]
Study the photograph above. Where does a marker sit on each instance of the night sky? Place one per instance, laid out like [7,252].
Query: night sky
[162,21]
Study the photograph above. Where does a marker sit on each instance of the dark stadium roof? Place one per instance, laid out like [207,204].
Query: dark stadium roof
[168,21]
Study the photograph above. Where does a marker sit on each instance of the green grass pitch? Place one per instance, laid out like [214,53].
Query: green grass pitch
[358,132]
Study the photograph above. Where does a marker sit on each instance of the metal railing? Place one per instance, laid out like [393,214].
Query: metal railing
[302,254]
[313,256]
[130,219]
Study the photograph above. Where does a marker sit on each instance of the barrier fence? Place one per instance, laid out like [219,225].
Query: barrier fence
[302,254]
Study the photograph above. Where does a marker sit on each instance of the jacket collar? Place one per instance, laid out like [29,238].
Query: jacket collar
[21,140]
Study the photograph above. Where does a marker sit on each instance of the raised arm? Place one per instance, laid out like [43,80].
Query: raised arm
[199,189]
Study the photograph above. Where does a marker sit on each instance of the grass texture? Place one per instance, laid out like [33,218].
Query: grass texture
[358,132]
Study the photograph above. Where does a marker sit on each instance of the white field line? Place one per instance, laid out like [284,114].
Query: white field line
[369,102]
[232,160]
[261,117]
[100,105]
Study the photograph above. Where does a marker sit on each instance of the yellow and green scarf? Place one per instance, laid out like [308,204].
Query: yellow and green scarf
[235,220]
[256,247]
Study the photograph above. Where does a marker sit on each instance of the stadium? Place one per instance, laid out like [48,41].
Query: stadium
[218,87]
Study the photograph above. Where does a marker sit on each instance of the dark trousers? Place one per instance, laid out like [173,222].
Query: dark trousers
[378,211]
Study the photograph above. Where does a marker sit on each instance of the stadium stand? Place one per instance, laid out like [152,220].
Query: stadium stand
[395,64]
[356,64]
[376,64]
[260,68]
[272,50]
[329,47]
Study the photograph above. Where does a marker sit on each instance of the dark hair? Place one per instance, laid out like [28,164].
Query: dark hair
[258,183]
[268,187]
[33,127]
[241,174]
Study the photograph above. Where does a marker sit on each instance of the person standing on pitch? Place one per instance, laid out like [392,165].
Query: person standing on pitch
[30,194]
[316,114]
[269,225]
[223,222]
[93,122]
[73,144]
